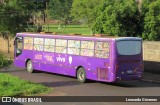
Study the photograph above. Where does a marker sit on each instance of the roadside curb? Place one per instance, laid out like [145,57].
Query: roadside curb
[8,69]
[152,81]
[151,77]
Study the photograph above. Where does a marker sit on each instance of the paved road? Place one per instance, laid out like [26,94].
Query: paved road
[68,86]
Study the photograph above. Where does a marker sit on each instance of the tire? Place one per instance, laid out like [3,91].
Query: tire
[81,75]
[30,66]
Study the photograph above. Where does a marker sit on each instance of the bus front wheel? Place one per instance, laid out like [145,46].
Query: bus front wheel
[30,66]
[81,75]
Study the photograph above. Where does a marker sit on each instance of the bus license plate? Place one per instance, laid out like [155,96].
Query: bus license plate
[129,71]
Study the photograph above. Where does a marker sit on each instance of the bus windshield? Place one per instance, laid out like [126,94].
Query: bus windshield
[129,47]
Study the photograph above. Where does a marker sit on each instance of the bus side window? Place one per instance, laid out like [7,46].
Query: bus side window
[87,48]
[73,47]
[102,49]
[61,46]
[38,44]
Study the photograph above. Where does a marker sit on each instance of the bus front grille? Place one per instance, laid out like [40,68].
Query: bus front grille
[102,73]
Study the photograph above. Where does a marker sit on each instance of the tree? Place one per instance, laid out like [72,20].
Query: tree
[119,18]
[14,17]
[151,11]
[86,11]
[60,10]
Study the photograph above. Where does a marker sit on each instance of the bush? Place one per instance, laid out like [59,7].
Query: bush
[4,61]
[127,18]
[120,18]
[151,20]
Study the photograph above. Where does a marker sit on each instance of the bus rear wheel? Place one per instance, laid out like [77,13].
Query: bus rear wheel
[30,66]
[81,75]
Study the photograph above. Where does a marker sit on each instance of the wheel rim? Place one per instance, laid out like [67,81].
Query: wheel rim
[81,75]
[29,66]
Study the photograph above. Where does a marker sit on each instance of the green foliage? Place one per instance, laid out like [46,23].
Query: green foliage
[112,17]
[120,18]
[60,10]
[14,86]
[151,20]
[14,16]
[4,61]
[86,11]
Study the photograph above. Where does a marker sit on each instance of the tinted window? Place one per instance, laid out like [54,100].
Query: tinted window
[129,47]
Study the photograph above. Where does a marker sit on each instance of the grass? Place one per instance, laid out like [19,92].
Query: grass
[14,86]
[70,29]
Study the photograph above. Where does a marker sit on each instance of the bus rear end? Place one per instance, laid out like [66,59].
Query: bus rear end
[129,59]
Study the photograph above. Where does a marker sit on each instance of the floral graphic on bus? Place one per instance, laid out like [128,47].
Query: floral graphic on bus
[101,54]
[73,47]
[102,49]
[38,44]
[38,47]
[74,43]
[38,41]
[28,40]
[86,52]
[49,48]
[50,42]
[87,48]
[49,45]
[102,45]
[87,44]
[61,42]
[61,50]
[28,43]
[73,51]
[61,45]
[28,46]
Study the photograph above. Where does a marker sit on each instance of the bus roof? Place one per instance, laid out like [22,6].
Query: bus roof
[96,36]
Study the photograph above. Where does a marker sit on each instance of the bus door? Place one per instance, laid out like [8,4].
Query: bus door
[18,49]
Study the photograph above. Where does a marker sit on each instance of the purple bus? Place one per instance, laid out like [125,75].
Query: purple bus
[95,58]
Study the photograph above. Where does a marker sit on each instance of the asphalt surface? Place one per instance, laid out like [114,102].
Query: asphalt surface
[69,86]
